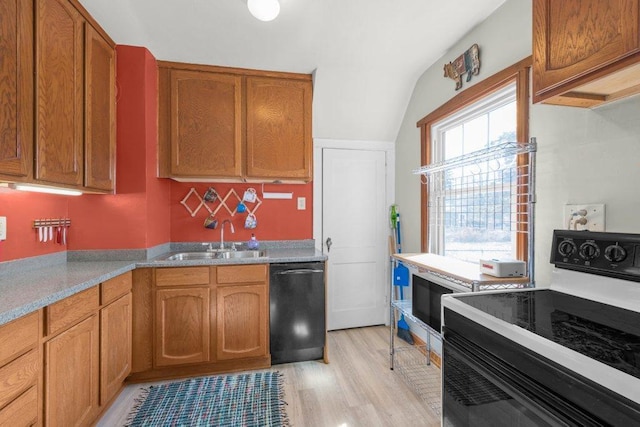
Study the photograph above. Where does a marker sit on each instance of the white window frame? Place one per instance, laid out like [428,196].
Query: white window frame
[485,105]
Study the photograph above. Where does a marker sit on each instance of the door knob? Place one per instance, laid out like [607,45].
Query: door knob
[329,243]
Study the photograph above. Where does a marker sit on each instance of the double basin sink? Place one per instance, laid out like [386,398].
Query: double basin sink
[215,254]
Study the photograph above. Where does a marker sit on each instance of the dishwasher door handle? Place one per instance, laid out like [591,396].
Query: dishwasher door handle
[300,271]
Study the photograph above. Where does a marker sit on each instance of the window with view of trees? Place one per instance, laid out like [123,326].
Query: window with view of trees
[475,223]
[479,216]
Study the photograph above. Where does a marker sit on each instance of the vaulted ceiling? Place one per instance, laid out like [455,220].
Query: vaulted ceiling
[366,55]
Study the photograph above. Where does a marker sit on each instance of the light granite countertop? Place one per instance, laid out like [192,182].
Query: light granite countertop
[23,293]
[35,284]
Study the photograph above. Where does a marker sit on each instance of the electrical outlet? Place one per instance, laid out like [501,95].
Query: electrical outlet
[584,217]
[302,203]
[3,228]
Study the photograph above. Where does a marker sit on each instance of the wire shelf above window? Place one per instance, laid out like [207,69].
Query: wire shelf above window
[485,196]
[495,152]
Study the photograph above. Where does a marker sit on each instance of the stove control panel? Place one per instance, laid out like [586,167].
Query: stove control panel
[607,254]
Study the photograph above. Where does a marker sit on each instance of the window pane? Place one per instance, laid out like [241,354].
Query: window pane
[476,134]
[474,219]
[502,124]
[453,142]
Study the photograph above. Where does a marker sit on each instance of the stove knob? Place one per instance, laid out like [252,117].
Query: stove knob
[615,253]
[589,250]
[566,248]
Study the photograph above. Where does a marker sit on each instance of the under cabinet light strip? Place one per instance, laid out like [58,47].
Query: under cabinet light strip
[44,189]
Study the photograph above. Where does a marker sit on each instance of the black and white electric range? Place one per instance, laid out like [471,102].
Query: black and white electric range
[568,354]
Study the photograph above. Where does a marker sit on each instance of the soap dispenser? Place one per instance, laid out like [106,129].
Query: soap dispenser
[253,242]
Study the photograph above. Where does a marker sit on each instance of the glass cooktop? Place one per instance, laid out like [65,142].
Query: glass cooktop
[608,334]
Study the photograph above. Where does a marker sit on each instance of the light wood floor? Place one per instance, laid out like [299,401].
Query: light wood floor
[356,388]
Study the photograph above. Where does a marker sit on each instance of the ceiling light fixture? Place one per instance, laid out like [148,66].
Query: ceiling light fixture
[43,189]
[264,10]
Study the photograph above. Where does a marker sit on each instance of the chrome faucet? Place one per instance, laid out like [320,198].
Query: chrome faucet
[222,231]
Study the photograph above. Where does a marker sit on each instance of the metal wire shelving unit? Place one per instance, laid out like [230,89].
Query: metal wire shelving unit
[491,189]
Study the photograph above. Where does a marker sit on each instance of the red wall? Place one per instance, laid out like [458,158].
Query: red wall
[277,219]
[145,211]
[21,208]
[137,216]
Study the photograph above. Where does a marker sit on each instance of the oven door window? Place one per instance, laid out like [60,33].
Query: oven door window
[479,392]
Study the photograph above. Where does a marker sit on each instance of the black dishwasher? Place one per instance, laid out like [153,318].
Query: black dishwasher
[297,312]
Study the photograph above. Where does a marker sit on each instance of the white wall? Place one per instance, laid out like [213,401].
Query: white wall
[584,156]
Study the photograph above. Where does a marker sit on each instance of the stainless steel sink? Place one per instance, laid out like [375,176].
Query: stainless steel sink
[217,254]
[243,254]
[183,256]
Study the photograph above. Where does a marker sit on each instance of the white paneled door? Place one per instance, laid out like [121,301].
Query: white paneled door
[354,233]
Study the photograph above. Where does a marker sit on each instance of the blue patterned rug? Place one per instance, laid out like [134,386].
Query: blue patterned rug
[254,399]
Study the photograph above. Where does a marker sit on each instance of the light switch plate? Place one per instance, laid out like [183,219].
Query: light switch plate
[3,228]
[302,203]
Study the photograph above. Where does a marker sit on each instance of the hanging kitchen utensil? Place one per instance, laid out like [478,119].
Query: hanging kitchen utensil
[250,195]
[211,222]
[251,221]
[210,195]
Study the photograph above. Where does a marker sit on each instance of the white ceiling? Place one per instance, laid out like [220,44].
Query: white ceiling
[366,55]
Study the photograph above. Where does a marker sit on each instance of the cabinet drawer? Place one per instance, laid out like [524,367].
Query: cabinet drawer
[241,273]
[18,336]
[182,276]
[70,310]
[18,376]
[114,288]
[23,411]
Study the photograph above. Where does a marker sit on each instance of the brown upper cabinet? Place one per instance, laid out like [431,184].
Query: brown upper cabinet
[16,89]
[278,129]
[229,124]
[59,88]
[585,52]
[58,129]
[100,111]
[205,118]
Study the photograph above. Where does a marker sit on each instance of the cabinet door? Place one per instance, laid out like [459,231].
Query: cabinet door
[182,326]
[572,39]
[242,321]
[59,97]
[16,87]
[115,347]
[20,371]
[100,113]
[71,375]
[206,124]
[278,128]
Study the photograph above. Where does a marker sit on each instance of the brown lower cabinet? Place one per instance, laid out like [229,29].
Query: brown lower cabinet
[21,371]
[87,352]
[72,361]
[202,319]
[242,321]
[63,365]
[182,326]
[115,346]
